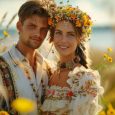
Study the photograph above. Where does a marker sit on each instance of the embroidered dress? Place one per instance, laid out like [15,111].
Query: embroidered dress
[80,98]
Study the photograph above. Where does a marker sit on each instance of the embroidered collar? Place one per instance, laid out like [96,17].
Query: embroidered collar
[17,56]
[70,64]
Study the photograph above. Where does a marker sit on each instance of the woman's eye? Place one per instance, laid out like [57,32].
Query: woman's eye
[71,35]
[56,33]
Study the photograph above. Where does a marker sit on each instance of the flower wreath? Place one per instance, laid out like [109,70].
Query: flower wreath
[73,14]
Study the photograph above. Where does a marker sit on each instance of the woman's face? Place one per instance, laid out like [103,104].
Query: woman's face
[65,39]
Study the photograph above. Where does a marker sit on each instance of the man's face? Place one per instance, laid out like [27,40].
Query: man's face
[33,31]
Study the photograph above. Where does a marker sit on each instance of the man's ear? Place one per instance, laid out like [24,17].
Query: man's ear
[19,25]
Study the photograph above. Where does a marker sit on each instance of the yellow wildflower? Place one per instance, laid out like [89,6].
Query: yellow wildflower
[23,105]
[4,113]
[111,110]
[102,113]
[105,55]
[109,59]
[109,49]
[5,33]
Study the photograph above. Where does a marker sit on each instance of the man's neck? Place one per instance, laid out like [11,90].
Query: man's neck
[29,53]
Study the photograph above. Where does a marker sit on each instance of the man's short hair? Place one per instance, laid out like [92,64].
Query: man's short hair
[32,7]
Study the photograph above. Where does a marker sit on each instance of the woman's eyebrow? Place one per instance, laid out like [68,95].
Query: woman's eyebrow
[58,30]
[71,32]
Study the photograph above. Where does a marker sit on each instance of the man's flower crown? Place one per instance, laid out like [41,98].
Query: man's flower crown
[75,15]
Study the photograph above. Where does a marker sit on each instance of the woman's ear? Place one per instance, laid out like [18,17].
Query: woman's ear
[19,25]
[81,39]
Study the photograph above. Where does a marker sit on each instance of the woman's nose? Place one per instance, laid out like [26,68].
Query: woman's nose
[64,38]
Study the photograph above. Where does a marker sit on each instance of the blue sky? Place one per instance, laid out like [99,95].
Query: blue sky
[99,10]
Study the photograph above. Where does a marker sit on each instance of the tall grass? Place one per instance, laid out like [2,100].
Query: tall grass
[107,74]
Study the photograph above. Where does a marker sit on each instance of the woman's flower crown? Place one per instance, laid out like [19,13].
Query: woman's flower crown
[73,14]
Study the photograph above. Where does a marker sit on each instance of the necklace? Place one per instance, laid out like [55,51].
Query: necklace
[69,65]
[65,66]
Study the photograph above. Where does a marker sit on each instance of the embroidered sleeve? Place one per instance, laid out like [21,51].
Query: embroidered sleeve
[87,85]
[3,103]
[3,97]
[86,88]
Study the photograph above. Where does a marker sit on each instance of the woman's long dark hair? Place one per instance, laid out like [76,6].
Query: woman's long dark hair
[80,52]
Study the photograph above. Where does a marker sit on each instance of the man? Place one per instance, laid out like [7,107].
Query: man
[22,70]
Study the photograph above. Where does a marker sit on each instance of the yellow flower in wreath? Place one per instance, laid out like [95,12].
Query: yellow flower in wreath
[73,17]
[50,22]
[57,18]
[78,23]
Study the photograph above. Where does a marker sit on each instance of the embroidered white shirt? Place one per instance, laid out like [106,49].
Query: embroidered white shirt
[21,69]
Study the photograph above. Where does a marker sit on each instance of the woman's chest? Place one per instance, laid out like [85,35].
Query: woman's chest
[59,78]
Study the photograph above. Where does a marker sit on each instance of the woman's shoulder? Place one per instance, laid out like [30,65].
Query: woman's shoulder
[81,76]
[83,73]
[88,79]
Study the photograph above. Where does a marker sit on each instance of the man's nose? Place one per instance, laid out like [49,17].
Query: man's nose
[37,33]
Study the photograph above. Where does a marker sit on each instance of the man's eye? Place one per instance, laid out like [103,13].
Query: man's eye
[44,30]
[32,26]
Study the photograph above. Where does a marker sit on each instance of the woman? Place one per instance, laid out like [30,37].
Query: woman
[73,87]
